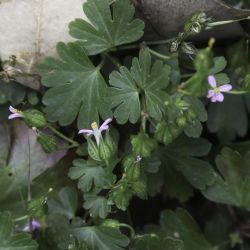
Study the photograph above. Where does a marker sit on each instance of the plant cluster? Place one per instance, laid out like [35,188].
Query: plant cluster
[120,123]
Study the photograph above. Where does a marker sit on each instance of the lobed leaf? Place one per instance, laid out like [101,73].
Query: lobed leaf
[76,87]
[145,78]
[231,185]
[101,237]
[106,29]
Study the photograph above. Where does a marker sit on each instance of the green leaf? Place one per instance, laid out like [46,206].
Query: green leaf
[197,84]
[152,164]
[101,237]
[74,80]
[11,92]
[154,241]
[197,107]
[175,184]
[10,241]
[217,228]
[58,231]
[220,64]
[139,188]
[180,170]
[180,155]
[182,226]
[143,145]
[167,132]
[228,119]
[120,195]
[88,173]
[98,206]
[193,129]
[106,29]
[149,79]
[65,203]
[233,181]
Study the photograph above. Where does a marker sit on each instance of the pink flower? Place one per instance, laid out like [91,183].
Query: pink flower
[97,132]
[34,226]
[15,113]
[215,93]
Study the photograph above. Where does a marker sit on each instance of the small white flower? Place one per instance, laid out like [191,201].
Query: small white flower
[97,132]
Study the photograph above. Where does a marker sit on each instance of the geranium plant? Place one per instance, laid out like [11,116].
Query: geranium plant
[128,143]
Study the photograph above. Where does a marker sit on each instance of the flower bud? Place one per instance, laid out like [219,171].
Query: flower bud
[181,121]
[190,115]
[34,118]
[48,142]
[111,223]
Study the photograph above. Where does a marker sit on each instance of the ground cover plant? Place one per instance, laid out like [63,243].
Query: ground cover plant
[128,143]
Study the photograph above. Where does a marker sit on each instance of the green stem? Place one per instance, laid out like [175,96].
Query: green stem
[113,60]
[158,42]
[184,92]
[152,122]
[67,147]
[143,44]
[58,133]
[161,56]
[187,75]
[128,227]
[238,92]
[143,119]
[101,63]
[25,217]
[214,24]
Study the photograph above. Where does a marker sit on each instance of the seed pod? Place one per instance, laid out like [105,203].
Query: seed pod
[110,143]
[48,143]
[34,118]
[104,150]
[93,150]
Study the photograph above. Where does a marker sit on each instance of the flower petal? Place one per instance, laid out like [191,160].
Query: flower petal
[105,126]
[225,87]
[35,224]
[219,97]
[13,116]
[86,131]
[214,98]
[212,81]
[210,93]
[12,109]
